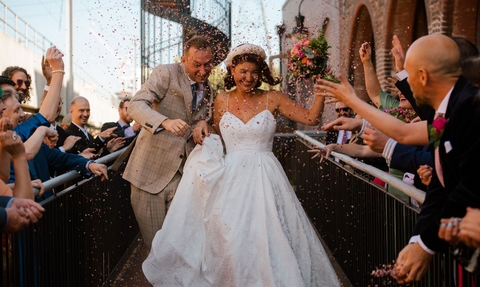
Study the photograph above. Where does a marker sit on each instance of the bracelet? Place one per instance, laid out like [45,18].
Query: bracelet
[46,88]
[58,71]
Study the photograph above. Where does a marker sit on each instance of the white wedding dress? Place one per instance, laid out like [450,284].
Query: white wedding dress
[235,220]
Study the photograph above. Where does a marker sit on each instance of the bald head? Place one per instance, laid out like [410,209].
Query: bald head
[433,66]
[437,53]
[80,111]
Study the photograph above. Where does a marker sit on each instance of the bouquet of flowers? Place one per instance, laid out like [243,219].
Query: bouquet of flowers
[402,114]
[309,58]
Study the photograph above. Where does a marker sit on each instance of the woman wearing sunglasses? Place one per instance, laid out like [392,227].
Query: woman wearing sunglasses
[22,81]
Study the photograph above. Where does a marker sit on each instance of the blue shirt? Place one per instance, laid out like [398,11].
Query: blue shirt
[26,129]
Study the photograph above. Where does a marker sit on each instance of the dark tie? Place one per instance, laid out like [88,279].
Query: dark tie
[126,127]
[194,96]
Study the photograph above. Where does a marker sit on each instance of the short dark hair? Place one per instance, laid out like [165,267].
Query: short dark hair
[6,80]
[197,42]
[126,99]
[467,48]
[265,73]
[9,71]
[471,69]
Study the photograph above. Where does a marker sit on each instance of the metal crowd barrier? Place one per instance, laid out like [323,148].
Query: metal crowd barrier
[363,225]
[84,233]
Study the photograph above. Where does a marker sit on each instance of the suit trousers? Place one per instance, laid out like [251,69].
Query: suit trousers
[150,209]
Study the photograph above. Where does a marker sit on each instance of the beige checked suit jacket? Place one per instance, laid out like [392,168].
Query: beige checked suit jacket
[157,156]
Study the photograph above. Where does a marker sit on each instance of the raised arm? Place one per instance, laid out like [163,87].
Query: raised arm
[49,107]
[371,81]
[294,111]
[410,134]
[12,143]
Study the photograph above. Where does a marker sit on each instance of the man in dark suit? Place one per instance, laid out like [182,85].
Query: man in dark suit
[435,80]
[80,111]
[123,127]
[340,136]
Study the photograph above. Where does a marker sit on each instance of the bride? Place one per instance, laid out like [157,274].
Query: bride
[235,220]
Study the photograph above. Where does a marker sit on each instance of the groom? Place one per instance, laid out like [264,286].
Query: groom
[173,107]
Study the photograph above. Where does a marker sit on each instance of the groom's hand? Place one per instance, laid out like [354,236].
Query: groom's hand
[412,263]
[176,127]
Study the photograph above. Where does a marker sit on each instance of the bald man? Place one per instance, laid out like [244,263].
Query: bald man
[435,78]
[80,111]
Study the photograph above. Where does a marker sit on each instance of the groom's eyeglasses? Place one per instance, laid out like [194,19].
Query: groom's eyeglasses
[342,109]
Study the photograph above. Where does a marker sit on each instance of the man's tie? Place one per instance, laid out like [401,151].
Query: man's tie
[194,96]
[344,138]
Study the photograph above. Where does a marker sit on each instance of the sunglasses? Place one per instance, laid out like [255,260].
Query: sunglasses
[342,109]
[21,82]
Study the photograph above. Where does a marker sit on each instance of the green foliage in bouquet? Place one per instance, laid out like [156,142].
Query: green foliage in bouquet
[309,57]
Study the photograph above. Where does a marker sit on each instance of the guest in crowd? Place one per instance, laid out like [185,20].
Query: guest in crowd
[436,81]
[80,111]
[22,80]
[123,128]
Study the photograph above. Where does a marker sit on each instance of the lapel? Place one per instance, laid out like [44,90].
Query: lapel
[184,84]
[80,133]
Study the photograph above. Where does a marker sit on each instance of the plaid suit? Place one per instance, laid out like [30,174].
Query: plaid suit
[156,162]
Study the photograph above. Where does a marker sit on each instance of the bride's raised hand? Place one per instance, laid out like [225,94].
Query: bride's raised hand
[342,92]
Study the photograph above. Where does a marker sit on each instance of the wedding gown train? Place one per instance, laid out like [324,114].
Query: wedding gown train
[235,220]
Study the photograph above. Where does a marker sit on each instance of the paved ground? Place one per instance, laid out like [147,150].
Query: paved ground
[131,274]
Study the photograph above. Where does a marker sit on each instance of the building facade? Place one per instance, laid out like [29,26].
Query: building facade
[349,23]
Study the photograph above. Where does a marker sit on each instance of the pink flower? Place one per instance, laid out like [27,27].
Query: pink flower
[439,124]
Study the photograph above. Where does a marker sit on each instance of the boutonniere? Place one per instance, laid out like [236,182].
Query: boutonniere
[436,129]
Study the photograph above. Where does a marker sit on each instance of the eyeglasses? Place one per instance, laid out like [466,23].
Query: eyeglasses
[21,82]
[342,109]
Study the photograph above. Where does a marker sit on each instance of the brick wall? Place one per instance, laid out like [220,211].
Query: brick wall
[356,21]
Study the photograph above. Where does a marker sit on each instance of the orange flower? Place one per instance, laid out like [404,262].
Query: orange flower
[304,60]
